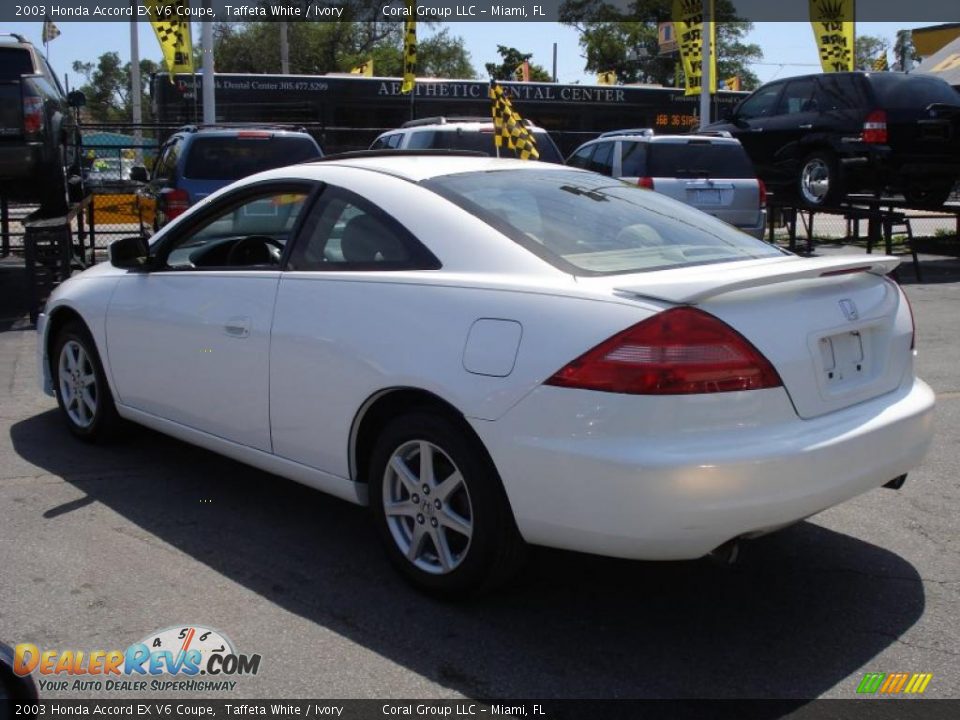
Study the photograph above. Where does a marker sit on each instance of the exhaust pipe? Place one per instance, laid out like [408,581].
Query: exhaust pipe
[727,553]
[896,483]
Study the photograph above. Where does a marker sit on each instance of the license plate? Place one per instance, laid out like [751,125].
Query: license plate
[708,197]
[843,357]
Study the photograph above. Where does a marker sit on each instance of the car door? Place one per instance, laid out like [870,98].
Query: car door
[189,339]
[749,126]
[786,133]
[328,326]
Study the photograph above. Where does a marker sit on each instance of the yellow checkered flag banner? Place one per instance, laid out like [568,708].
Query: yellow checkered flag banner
[172,33]
[832,22]
[409,48]
[509,127]
[365,69]
[880,64]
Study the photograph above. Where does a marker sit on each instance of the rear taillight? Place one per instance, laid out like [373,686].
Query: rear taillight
[875,127]
[763,192]
[33,120]
[677,352]
[645,182]
[174,202]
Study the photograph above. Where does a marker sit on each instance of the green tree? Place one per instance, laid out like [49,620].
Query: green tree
[510,59]
[107,88]
[867,49]
[905,53]
[319,48]
[631,49]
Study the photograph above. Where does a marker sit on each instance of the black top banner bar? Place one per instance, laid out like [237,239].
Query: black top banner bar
[585,11]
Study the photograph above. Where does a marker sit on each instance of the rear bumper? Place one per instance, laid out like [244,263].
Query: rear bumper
[758,229]
[674,478]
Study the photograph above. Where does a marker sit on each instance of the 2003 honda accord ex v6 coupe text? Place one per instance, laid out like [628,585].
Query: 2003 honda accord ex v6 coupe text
[492,353]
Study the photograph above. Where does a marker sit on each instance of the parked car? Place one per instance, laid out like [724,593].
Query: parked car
[709,172]
[494,352]
[108,171]
[39,141]
[198,160]
[823,136]
[453,133]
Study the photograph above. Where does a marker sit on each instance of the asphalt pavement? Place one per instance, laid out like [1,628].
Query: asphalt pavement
[102,546]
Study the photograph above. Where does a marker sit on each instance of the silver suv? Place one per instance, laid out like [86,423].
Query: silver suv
[710,171]
[441,133]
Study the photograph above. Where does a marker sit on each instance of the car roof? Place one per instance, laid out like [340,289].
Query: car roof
[193,131]
[711,138]
[421,167]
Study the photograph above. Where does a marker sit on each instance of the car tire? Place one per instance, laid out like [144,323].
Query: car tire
[818,183]
[928,195]
[80,385]
[447,527]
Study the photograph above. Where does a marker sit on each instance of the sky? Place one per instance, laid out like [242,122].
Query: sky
[788,47]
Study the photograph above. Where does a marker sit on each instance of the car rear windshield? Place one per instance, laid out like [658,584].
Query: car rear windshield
[479,141]
[896,92]
[15,62]
[696,159]
[588,224]
[231,158]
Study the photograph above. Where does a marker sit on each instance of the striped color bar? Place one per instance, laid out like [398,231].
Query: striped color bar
[894,683]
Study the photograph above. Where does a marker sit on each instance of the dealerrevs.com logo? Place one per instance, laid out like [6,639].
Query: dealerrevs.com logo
[894,683]
[173,659]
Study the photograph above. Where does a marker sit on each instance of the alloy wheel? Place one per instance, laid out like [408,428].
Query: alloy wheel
[78,384]
[815,181]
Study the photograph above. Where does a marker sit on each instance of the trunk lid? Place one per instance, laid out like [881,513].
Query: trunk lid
[836,330]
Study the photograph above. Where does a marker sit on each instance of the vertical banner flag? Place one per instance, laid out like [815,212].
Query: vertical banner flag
[732,83]
[172,33]
[521,73]
[365,69]
[832,22]
[50,30]
[688,26]
[509,127]
[607,78]
[409,48]
[880,64]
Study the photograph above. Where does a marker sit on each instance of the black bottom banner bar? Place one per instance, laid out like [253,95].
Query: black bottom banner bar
[875,709]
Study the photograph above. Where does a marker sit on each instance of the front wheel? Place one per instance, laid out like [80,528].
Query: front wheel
[440,508]
[81,386]
[818,184]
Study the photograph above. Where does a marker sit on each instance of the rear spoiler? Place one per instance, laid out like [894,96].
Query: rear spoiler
[693,285]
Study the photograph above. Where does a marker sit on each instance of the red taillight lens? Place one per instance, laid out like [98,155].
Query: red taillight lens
[875,127]
[677,352]
[33,120]
[645,182]
[763,192]
[174,202]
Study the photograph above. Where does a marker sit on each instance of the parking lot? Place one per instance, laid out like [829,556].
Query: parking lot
[102,546]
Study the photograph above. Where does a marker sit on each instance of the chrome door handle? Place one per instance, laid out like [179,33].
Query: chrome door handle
[238,327]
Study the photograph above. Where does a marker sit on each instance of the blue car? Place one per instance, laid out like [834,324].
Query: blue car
[197,161]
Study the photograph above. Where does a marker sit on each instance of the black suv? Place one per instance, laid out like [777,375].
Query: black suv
[39,139]
[823,136]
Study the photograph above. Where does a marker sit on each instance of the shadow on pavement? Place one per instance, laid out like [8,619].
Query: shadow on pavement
[806,608]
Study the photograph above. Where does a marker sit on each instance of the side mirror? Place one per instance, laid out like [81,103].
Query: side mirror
[76,99]
[129,252]
[138,173]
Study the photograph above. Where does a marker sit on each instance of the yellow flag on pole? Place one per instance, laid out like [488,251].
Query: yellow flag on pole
[688,27]
[173,33]
[509,127]
[832,22]
[409,48]
[607,78]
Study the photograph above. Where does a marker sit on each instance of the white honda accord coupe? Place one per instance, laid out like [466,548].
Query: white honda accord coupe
[492,353]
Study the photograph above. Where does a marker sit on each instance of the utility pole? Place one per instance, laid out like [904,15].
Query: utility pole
[135,85]
[707,53]
[284,50]
[209,104]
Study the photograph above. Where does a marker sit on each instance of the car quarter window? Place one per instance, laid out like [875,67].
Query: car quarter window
[761,104]
[348,232]
[248,228]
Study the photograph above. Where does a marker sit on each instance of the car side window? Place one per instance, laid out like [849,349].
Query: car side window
[581,158]
[602,160]
[249,230]
[167,161]
[798,97]
[761,104]
[633,159]
[348,232]
[393,141]
[837,92]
